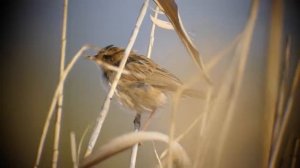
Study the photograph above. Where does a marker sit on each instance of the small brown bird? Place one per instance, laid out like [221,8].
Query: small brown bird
[143,85]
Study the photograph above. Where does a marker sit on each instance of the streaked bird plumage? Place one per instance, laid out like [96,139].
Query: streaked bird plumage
[144,88]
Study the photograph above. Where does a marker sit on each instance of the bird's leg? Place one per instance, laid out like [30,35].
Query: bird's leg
[137,121]
[147,122]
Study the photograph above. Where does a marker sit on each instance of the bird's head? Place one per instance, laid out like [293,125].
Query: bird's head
[110,55]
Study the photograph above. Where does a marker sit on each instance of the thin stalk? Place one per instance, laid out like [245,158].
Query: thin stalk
[175,104]
[53,103]
[152,33]
[61,96]
[282,92]
[81,142]
[137,126]
[215,59]
[183,134]
[156,155]
[106,105]
[202,127]
[136,146]
[134,152]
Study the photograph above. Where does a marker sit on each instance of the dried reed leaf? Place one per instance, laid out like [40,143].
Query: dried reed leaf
[171,11]
[161,23]
[126,141]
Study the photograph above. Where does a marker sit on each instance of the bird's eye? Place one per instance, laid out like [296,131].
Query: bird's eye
[107,57]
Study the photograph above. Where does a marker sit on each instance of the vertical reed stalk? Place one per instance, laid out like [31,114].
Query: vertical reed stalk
[272,76]
[286,118]
[60,94]
[134,152]
[152,33]
[106,105]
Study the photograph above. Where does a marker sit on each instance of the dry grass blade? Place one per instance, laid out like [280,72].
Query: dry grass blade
[215,59]
[156,155]
[287,114]
[54,101]
[193,124]
[106,105]
[182,135]
[272,75]
[217,109]
[175,105]
[211,64]
[202,127]
[81,142]
[244,51]
[126,141]
[170,9]
[73,149]
[189,128]
[283,88]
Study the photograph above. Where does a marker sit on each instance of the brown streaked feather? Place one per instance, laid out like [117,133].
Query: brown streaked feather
[163,79]
[144,88]
[149,72]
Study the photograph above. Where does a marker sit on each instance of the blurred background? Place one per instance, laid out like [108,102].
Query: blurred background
[30,55]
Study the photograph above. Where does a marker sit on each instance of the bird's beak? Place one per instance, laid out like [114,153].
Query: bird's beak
[92,58]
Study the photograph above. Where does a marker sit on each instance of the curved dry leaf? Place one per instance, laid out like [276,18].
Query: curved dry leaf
[171,11]
[126,141]
[161,23]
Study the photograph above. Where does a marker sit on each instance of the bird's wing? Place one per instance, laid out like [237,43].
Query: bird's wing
[146,70]
[163,79]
